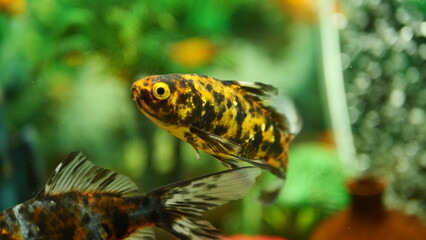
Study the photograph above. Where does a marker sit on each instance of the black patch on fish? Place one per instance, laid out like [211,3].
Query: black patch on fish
[266,146]
[85,219]
[23,210]
[251,111]
[229,103]
[198,103]
[220,130]
[247,97]
[145,83]
[268,124]
[146,97]
[189,137]
[90,235]
[253,91]
[3,223]
[219,115]
[218,98]
[171,117]
[209,87]
[241,115]
[207,119]
[107,230]
[11,215]
[280,121]
[120,222]
[183,98]
[182,84]
[276,148]
[31,215]
[73,196]
[43,222]
[32,233]
[264,90]
[67,232]
[258,110]
[85,201]
[257,137]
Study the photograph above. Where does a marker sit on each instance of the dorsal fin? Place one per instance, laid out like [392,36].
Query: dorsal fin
[77,173]
[256,89]
[262,94]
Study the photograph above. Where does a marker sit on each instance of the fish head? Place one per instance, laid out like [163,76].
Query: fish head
[155,97]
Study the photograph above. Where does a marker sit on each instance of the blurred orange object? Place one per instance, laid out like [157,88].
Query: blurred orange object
[368,219]
[13,7]
[193,52]
[303,9]
[257,237]
[300,9]
[327,137]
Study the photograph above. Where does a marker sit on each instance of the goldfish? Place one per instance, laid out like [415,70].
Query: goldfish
[230,120]
[83,201]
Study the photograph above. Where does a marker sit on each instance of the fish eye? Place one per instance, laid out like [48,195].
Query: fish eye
[161,91]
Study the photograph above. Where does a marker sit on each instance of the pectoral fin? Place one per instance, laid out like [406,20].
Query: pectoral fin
[217,144]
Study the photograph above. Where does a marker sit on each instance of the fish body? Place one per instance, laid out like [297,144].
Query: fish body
[229,120]
[84,201]
[73,215]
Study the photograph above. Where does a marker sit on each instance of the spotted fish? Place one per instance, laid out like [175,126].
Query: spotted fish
[229,120]
[84,201]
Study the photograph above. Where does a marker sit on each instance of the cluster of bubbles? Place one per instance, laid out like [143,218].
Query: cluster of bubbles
[384,61]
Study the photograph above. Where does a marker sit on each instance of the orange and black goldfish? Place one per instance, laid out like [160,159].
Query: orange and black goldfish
[229,120]
[84,201]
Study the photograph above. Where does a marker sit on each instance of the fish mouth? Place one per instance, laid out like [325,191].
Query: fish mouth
[137,97]
[135,92]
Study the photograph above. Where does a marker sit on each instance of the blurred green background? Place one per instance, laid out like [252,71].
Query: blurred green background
[66,67]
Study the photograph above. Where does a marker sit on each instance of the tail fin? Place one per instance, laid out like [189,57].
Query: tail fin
[182,204]
[286,107]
